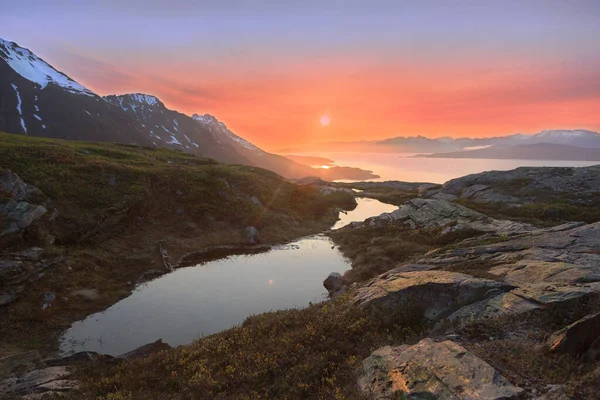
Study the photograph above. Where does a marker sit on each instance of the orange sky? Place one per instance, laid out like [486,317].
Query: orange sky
[367,101]
[270,69]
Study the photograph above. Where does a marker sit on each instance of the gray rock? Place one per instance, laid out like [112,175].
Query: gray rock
[430,370]
[429,213]
[578,185]
[437,293]
[23,205]
[334,283]
[34,381]
[256,201]
[252,233]
[145,350]
[578,337]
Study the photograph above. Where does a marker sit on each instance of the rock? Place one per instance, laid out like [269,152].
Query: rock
[20,363]
[87,294]
[554,392]
[578,337]
[256,201]
[430,213]
[7,298]
[40,380]
[49,298]
[145,350]
[81,357]
[252,233]
[437,293]
[492,306]
[20,205]
[527,184]
[334,283]
[430,370]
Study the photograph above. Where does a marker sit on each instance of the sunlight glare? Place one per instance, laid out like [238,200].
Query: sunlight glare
[325,120]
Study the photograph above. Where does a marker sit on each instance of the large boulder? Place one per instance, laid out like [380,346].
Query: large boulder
[436,293]
[334,284]
[578,337]
[430,370]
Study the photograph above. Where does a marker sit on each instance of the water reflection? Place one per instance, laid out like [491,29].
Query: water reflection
[202,300]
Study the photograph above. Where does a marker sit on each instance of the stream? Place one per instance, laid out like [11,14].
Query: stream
[200,300]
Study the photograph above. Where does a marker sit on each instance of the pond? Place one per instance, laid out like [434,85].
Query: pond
[207,298]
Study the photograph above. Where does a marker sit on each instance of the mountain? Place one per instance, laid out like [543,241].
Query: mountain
[421,144]
[539,151]
[38,100]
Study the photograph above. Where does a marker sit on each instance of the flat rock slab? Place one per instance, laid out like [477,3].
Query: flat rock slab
[436,293]
[34,381]
[430,370]
[556,292]
[492,307]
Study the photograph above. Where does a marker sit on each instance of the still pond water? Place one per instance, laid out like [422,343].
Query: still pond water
[197,301]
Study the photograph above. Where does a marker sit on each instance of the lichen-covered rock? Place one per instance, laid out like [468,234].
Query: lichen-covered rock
[430,370]
[436,293]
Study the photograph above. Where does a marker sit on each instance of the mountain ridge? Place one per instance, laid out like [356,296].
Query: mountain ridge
[36,99]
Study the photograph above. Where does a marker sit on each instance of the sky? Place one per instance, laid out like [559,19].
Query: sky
[272,70]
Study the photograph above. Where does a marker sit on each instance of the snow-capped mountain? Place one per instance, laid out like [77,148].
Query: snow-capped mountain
[578,137]
[171,129]
[36,99]
[575,137]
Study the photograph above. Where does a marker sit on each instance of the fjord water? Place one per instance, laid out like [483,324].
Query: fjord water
[405,167]
[196,301]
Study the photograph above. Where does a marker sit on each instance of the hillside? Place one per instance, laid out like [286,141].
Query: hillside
[79,215]
[442,302]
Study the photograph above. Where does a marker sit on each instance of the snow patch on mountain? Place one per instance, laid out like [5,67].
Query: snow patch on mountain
[19,104]
[36,70]
[219,129]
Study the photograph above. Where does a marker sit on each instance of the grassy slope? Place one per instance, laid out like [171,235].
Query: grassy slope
[116,202]
[315,352]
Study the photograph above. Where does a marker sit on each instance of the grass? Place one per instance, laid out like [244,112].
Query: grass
[519,353]
[374,250]
[311,353]
[116,202]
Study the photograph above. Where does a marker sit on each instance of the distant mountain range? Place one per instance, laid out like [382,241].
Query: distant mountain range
[540,151]
[38,100]
[420,144]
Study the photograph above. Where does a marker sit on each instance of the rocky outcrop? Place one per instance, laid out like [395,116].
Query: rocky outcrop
[20,268]
[578,337]
[20,204]
[28,375]
[430,213]
[436,293]
[430,370]
[580,185]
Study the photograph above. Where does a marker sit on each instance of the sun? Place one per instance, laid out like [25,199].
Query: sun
[325,120]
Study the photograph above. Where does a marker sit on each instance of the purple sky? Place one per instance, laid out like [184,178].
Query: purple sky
[263,65]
